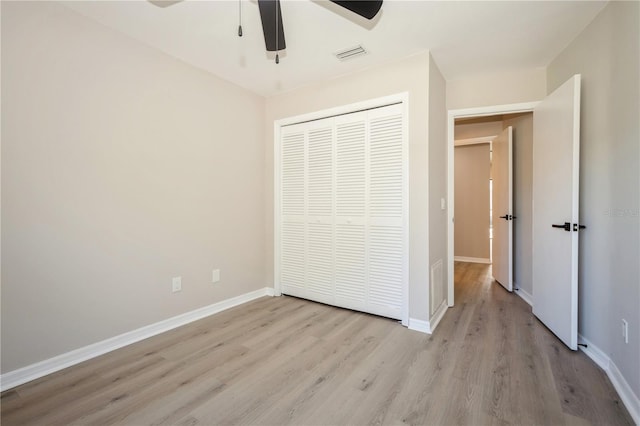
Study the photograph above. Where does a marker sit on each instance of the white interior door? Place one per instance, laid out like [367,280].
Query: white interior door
[502,206]
[556,154]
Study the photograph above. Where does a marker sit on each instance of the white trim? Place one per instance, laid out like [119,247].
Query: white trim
[628,397]
[435,319]
[475,141]
[404,98]
[450,202]
[595,353]
[344,109]
[398,98]
[472,259]
[494,110]
[31,372]
[276,209]
[524,295]
[451,117]
[419,325]
[575,209]
[429,326]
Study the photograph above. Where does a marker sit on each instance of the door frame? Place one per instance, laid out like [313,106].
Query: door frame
[452,114]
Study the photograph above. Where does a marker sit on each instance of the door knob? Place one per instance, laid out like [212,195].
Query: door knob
[566,226]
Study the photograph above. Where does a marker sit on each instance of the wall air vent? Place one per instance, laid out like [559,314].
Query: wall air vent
[350,53]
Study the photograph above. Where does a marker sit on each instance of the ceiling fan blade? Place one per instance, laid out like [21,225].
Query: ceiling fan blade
[366,9]
[268,11]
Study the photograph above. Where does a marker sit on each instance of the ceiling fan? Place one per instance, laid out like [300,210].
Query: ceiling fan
[271,17]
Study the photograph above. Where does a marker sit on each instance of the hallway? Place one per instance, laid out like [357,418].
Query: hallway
[527,375]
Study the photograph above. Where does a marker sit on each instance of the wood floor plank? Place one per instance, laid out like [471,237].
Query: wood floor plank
[417,401]
[317,383]
[381,377]
[290,361]
[175,407]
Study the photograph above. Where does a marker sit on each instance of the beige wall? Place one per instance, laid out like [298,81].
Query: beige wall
[437,178]
[606,54]
[410,75]
[121,168]
[471,201]
[507,87]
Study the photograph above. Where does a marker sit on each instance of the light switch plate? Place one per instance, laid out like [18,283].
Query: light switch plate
[176,284]
[215,276]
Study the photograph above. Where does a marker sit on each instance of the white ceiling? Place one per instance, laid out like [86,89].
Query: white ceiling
[464,37]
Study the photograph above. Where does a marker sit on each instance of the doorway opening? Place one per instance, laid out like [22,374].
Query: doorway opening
[474,220]
[473,226]
[555,184]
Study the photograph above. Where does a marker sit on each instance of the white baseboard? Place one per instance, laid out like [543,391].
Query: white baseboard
[31,372]
[437,316]
[419,325]
[595,353]
[527,297]
[472,259]
[628,397]
[429,326]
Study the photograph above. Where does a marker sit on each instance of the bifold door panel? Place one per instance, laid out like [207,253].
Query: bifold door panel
[342,211]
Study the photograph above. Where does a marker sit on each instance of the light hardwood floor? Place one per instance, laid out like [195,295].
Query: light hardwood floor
[289,361]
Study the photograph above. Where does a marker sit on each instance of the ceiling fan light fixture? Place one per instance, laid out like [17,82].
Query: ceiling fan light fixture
[351,53]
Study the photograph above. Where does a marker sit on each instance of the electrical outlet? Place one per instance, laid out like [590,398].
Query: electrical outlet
[176,284]
[625,331]
[215,276]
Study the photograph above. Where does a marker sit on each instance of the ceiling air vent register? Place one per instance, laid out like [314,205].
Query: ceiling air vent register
[351,53]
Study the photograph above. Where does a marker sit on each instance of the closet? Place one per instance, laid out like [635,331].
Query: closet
[341,203]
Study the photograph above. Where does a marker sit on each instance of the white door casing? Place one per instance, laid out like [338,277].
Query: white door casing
[556,161]
[502,205]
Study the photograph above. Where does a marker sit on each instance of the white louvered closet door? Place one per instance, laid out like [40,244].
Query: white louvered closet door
[343,211]
[386,205]
[292,209]
[319,192]
[350,218]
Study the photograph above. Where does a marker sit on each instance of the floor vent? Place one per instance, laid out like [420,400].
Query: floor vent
[352,52]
